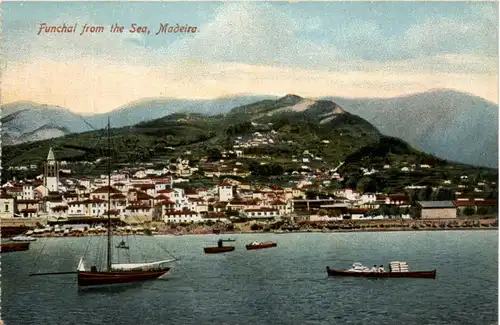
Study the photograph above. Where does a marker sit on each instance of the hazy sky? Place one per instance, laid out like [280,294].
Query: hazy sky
[311,49]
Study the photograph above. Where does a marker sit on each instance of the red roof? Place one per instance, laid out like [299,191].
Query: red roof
[166,202]
[104,190]
[476,202]
[138,207]
[144,186]
[143,196]
[214,215]
[194,199]
[28,210]
[261,210]
[60,208]
[170,213]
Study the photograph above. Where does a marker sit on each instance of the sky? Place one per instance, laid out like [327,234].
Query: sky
[312,49]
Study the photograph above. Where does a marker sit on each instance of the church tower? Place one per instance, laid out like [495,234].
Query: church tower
[51,173]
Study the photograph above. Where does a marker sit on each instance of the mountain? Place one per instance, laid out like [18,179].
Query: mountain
[27,121]
[449,124]
[279,129]
[150,109]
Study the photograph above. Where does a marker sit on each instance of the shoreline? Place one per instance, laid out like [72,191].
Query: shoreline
[222,233]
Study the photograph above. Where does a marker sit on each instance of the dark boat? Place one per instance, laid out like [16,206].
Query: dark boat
[7,246]
[12,231]
[396,270]
[94,277]
[219,248]
[259,245]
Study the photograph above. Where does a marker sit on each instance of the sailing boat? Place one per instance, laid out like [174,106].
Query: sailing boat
[118,273]
[90,275]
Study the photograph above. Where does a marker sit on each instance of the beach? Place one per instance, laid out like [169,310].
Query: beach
[159,228]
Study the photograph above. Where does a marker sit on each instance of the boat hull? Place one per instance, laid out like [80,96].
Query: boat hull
[7,247]
[417,274]
[12,231]
[217,250]
[86,278]
[261,246]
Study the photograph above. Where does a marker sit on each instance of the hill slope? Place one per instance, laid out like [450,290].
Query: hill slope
[451,125]
[446,123]
[279,129]
[27,121]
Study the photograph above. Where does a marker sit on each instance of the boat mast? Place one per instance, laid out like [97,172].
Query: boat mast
[109,198]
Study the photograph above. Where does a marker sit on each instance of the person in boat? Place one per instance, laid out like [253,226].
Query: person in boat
[374,269]
[219,243]
[381,269]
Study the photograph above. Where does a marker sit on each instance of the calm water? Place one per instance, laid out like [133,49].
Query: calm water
[284,285]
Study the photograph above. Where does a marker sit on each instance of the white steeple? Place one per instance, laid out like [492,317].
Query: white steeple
[51,155]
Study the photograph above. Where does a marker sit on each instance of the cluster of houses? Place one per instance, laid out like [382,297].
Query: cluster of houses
[153,195]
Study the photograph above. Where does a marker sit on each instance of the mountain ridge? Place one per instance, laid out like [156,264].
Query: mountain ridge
[451,133]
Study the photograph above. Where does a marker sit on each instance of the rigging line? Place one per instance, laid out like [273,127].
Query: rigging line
[88,124]
[40,252]
[139,248]
[87,246]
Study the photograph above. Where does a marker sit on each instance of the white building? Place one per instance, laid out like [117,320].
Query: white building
[6,206]
[225,192]
[51,173]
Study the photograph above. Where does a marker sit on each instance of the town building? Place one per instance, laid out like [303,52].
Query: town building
[431,210]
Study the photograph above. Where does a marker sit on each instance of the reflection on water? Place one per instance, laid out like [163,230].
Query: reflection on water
[110,289]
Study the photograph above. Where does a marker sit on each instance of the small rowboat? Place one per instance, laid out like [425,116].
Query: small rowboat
[217,250]
[416,274]
[220,248]
[258,245]
[396,270]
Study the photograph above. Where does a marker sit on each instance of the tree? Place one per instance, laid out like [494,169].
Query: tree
[255,227]
[425,194]
[395,211]
[384,210]
[214,154]
[468,211]
[366,184]
[482,210]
